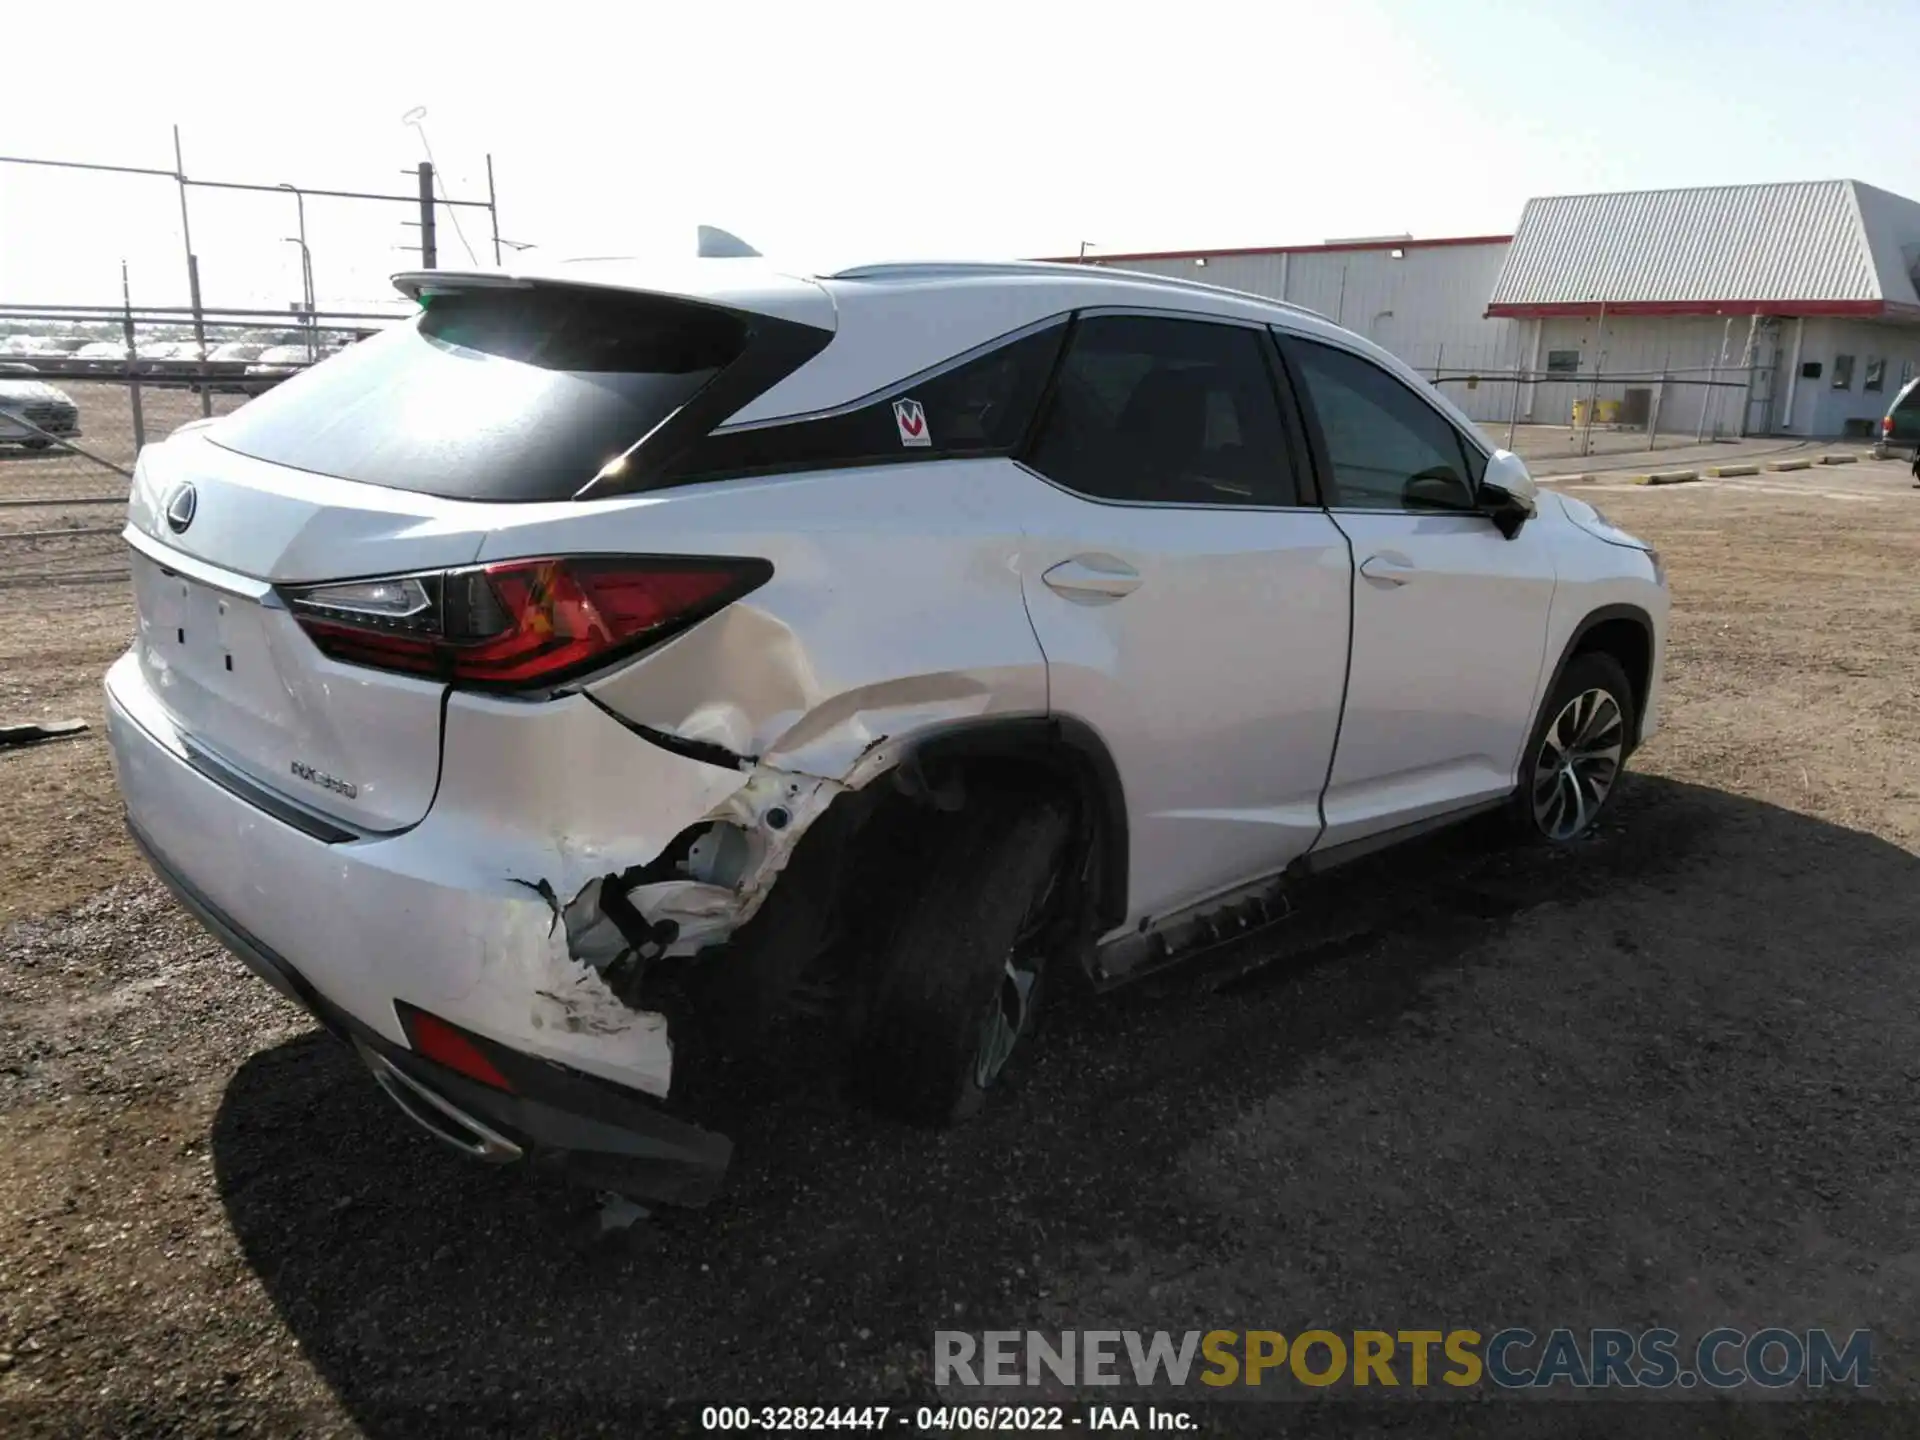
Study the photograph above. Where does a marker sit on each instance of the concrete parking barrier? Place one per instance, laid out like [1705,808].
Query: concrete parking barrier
[1838,459]
[1664,477]
[1789,464]
[1722,472]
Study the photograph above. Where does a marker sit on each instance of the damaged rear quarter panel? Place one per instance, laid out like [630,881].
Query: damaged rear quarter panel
[814,668]
[549,797]
[803,682]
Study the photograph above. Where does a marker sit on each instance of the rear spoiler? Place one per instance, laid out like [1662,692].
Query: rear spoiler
[710,243]
[418,284]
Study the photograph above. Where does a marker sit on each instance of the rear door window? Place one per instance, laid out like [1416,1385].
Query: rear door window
[1168,411]
[494,393]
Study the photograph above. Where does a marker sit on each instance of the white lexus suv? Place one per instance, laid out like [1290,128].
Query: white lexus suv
[611,663]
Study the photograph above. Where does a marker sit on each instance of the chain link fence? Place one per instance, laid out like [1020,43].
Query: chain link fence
[78,398]
[1542,415]
[77,402]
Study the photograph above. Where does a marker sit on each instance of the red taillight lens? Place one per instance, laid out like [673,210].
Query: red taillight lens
[453,1048]
[1886,424]
[521,624]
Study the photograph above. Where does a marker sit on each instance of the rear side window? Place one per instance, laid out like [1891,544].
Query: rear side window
[981,405]
[494,393]
[1177,412]
[1388,448]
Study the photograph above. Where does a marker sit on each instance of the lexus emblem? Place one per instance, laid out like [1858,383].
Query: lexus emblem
[181,507]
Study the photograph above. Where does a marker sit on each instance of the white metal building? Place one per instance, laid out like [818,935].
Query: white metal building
[1797,301]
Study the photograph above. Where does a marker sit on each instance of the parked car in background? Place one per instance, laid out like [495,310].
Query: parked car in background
[556,689]
[226,365]
[52,345]
[106,357]
[31,411]
[169,362]
[228,351]
[277,362]
[18,367]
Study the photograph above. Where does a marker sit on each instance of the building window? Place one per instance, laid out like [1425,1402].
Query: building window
[1843,372]
[1563,362]
[1906,373]
[1876,376]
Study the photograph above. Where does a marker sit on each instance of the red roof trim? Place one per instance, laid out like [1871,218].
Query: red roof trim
[1104,258]
[1695,307]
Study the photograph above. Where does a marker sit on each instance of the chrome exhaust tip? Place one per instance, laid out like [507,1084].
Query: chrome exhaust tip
[436,1114]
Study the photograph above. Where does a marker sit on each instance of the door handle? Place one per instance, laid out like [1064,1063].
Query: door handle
[1388,569]
[1092,579]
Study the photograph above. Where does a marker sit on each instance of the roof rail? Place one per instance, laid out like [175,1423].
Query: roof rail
[933,269]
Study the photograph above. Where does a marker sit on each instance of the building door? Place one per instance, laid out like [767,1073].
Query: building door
[1781,419]
[1763,386]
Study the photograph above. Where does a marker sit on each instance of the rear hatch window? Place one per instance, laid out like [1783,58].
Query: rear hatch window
[514,393]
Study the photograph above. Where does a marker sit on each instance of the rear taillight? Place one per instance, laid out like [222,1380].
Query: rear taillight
[521,624]
[1886,424]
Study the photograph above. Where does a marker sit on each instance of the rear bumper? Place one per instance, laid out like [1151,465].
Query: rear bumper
[588,1129]
[348,931]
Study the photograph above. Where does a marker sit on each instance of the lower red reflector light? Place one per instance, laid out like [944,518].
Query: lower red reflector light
[437,1040]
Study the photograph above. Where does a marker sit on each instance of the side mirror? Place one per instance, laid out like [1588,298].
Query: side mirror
[1508,492]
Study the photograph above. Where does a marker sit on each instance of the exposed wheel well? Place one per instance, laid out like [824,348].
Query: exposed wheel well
[1057,753]
[1624,634]
[864,860]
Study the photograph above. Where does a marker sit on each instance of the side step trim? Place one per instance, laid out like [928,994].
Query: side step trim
[1249,909]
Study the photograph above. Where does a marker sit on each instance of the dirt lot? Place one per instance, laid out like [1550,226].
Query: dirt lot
[1670,1077]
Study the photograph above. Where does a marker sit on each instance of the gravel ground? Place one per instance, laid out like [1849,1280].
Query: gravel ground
[1667,1077]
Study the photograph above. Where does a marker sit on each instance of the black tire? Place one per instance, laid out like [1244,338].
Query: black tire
[1542,776]
[944,970]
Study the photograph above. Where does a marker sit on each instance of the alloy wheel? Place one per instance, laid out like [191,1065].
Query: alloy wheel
[1005,1020]
[1012,1005]
[1579,761]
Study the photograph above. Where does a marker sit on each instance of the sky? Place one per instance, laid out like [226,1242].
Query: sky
[830,133]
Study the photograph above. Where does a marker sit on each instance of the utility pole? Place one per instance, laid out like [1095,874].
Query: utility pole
[306,268]
[193,278]
[493,209]
[133,362]
[429,253]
